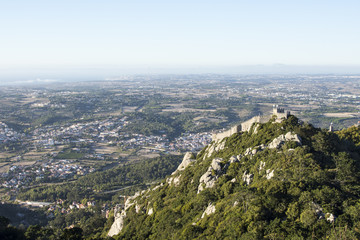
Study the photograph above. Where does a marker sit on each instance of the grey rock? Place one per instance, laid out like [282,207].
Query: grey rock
[269,174]
[280,140]
[209,210]
[208,179]
[187,160]
[247,177]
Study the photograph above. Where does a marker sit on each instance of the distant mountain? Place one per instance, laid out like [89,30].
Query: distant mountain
[279,180]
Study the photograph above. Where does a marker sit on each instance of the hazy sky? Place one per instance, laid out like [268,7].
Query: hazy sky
[179,33]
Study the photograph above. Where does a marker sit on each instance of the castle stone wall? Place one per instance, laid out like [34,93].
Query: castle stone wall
[228,133]
[245,126]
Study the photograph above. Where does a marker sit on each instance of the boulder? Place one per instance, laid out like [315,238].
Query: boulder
[269,174]
[208,179]
[151,211]
[233,159]
[209,210]
[118,224]
[187,160]
[280,140]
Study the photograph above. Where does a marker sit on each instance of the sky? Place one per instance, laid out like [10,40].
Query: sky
[49,36]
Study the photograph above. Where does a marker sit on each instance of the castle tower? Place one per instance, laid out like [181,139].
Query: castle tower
[280,112]
[331,128]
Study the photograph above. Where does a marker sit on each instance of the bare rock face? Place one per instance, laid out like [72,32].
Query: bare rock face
[130,200]
[277,142]
[209,210]
[187,160]
[212,174]
[120,214]
[280,140]
[118,224]
[293,137]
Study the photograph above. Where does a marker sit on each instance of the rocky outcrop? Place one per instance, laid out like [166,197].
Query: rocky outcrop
[262,165]
[120,214]
[234,159]
[280,140]
[320,214]
[214,147]
[208,179]
[269,174]
[209,210]
[187,160]
[252,151]
[176,180]
[151,211]
[137,208]
[247,178]
[131,200]
[157,186]
[118,224]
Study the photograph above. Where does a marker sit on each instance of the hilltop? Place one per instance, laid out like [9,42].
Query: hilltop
[277,180]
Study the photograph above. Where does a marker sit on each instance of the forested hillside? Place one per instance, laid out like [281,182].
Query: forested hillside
[278,181]
[101,188]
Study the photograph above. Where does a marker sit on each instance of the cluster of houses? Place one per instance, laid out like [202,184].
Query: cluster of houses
[190,142]
[95,131]
[8,134]
[19,175]
[186,142]
[59,206]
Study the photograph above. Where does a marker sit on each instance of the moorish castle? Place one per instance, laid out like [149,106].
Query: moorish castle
[280,113]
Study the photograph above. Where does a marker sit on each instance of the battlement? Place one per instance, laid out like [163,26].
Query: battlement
[280,114]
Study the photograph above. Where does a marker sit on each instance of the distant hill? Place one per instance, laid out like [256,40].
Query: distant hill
[279,180]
